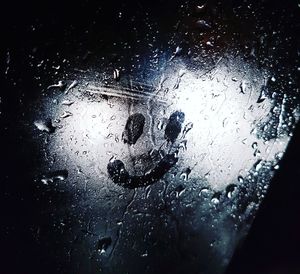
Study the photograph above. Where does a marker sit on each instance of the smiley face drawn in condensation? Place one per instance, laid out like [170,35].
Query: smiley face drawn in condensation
[133,130]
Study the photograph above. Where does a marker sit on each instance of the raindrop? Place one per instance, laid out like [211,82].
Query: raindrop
[59,85]
[67,102]
[204,192]
[200,8]
[256,153]
[230,190]
[216,198]
[145,254]
[254,145]
[73,85]
[202,25]
[243,87]
[240,179]
[183,145]
[258,165]
[179,190]
[262,95]
[59,175]
[110,135]
[279,155]
[177,52]
[178,80]
[186,129]
[160,124]
[103,244]
[185,174]
[116,74]
[7,62]
[45,126]
[66,114]
[181,72]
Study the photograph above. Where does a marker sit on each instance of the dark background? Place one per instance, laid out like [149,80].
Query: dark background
[273,243]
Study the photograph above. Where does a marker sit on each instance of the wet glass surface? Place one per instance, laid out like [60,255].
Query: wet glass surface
[149,135]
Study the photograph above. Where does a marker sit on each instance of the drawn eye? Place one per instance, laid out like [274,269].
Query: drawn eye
[134,128]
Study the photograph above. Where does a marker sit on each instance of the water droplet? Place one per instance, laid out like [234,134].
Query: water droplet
[59,85]
[202,25]
[200,8]
[179,190]
[244,141]
[240,179]
[256,153]
[204,192]
[45,126]
[185,174]
[177,52]
[67,102]
[258,165]
[7,62]
[178,80]
[145,254]
[230,190]
[160,124]
[71,86]
[116,74]
[243,87]
[254,145]
[103,244]
[109,135]
[66,114]
[59,175]
[186,129]
[216,198]
[279,155]
[181,72]
[183,145]
[262,95]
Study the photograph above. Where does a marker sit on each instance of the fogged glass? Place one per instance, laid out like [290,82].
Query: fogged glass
[165,143]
